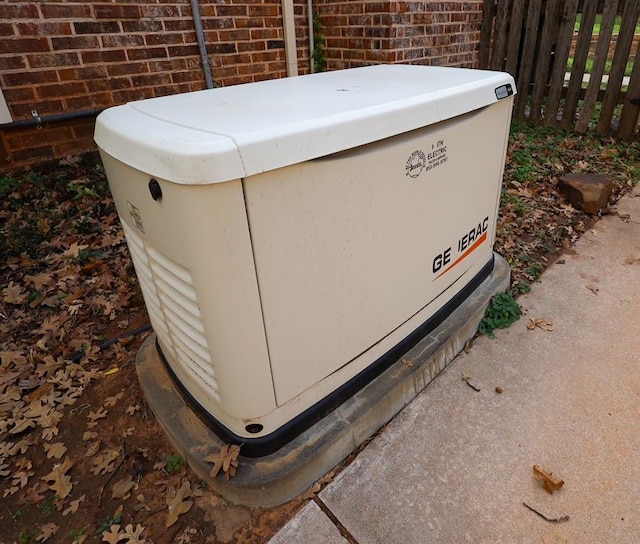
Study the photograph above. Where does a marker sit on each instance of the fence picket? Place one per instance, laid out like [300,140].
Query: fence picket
[631,106]
[595,79]
[500,42]
[619,64]
[515,33]
[579,63]
[486,33]
[545,52]
[528,53]
[561,55]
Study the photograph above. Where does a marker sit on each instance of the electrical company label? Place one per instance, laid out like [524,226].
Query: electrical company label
[420,161]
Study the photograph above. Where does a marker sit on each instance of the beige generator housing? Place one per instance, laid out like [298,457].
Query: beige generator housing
[294,237]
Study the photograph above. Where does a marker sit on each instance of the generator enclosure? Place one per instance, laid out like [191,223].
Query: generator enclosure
[291,237]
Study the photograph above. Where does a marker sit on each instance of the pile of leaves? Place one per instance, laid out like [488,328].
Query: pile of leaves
[81,457]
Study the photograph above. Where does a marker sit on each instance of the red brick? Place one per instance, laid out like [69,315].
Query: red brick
[128,95]
[173,25]
[165,38]
[147,53]
[29,155]
[142,26]
[28,77]
[75,43]
[12,63]
[61,90]
[121,40]
[115,70]
[95,27]
[10,12]
[66,11]
[233,35]
[244,47]
[268,10]
[148,80]
[75,146]
[231,11]
[169,65]
[264,33]
[97,85]
[53,60]
[13,95]
[376,7]
[182,77]
[24,45]
[183,51]
[161,12]
[7,29]
[90,72]
[107,55]
[43,29]
[223,48]
[111,11]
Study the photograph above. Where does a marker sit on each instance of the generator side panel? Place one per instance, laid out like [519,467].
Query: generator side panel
[192,254]
[353,248]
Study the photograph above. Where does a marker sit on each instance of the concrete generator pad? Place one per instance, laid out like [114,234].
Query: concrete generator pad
[456,465]
[281,476]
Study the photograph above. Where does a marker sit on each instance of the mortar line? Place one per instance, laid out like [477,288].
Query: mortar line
[332,517]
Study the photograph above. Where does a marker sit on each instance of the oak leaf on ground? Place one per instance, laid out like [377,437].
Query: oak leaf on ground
[58,480]
[226,460]
[178,505]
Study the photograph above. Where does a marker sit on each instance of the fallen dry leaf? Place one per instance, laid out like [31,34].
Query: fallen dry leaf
[111,401]
[134,535]
[58,480]
[56,450]
[73,506]
[47,531]
[226,459]
[542,323]
[14,294]
[113,535]
[549,481]
[122,488]
[105,462]
[178,505]
[94,416]
[34,494]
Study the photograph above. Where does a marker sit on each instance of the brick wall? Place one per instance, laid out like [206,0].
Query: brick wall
[77,55]
[362,32]
[68,56]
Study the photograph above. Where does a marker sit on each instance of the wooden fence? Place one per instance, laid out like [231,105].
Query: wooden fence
[537,40]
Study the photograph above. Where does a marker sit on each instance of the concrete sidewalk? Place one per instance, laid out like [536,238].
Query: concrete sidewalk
[456,465]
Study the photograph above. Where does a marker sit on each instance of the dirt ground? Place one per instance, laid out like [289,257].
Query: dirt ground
[81,457]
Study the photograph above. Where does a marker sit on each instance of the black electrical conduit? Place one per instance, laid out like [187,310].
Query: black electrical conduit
[37,121]
[135,332]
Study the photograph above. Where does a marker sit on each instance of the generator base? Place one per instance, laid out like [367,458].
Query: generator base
[284,474]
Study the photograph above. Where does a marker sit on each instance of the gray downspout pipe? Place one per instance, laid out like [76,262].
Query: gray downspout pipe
[197,23]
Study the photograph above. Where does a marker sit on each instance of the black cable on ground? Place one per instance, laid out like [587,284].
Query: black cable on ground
[107,343]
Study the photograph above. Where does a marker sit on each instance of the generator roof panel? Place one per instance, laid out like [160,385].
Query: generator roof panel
[227,133]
